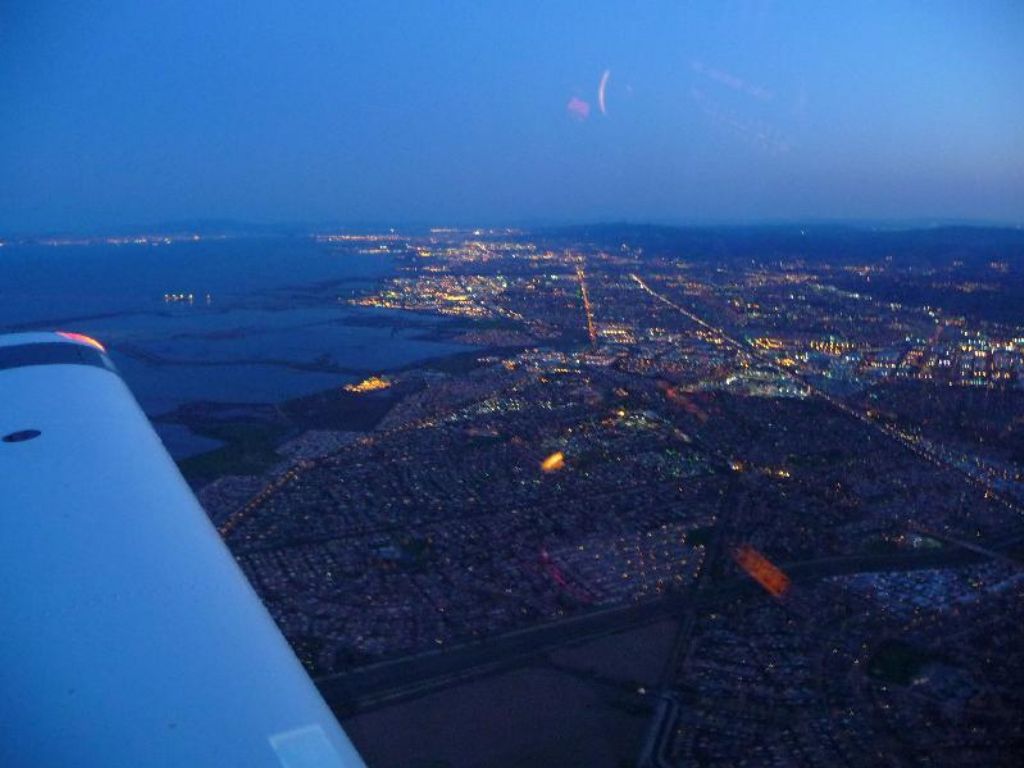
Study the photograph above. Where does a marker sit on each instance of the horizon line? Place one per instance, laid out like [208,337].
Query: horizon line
[213,226]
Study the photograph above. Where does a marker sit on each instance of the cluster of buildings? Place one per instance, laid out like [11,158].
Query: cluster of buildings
[640,423]
[832,674]
[450,523]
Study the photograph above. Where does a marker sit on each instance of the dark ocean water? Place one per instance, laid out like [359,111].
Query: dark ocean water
[268,320]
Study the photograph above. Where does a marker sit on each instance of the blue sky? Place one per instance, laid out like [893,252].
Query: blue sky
[116,113]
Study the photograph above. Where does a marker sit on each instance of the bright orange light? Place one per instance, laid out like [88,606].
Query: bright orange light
[554,462]
[81,338]
[372,384]
[761,570]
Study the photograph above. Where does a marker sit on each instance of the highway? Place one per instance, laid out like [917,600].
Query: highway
[890,432]
[660,733]
[591,328]
[389,682]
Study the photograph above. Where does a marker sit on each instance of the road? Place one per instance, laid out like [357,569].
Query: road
[389,682]
[890,432]
[591,328]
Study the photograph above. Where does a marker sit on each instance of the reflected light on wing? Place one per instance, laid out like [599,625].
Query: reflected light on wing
[81,338]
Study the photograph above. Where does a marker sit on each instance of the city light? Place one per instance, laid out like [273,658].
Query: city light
[554,462]
[761,570]
[371,384]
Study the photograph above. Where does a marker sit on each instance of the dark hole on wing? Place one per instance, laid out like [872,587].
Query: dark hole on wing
[22,436]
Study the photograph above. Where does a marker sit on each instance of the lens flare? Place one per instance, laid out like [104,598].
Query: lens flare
[601,91]
[578,109]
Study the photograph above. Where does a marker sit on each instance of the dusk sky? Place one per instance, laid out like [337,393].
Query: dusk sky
[118,114]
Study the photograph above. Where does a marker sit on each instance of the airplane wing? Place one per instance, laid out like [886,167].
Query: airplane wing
[130,638]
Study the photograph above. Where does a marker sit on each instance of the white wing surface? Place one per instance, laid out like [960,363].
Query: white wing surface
[130,638]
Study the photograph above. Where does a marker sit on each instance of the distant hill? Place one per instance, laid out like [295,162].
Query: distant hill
[935,246]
